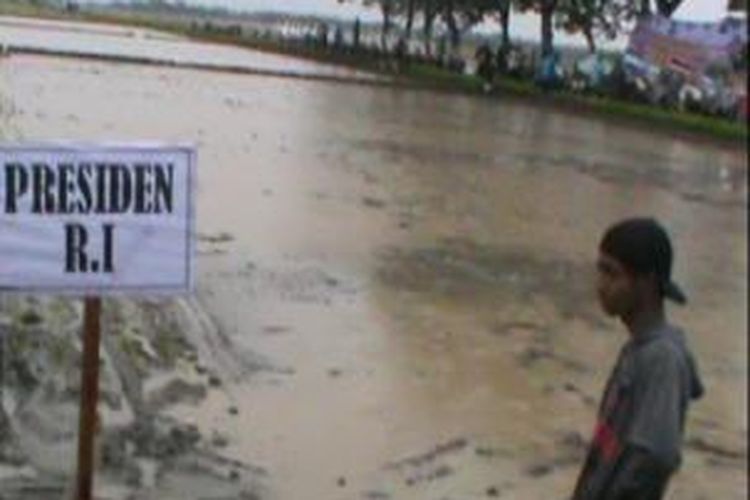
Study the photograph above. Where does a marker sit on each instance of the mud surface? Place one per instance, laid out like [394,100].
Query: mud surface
[395,287]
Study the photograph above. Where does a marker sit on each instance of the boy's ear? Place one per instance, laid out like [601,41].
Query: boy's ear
[652,280]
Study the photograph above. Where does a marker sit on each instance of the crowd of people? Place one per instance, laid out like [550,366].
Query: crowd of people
[618,75]
[621,76]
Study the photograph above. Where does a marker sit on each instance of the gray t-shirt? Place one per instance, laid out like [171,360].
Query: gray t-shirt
[644,406]
[665,378]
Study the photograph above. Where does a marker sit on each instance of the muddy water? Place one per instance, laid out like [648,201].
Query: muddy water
[127,42]
[401,281]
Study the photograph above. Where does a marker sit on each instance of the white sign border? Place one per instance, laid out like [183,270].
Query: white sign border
[185,288]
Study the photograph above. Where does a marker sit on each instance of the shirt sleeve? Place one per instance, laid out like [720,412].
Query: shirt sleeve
[657,407]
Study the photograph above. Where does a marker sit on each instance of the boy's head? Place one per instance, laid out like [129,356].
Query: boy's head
[635,266]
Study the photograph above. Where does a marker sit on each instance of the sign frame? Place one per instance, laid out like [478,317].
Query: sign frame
[187,281]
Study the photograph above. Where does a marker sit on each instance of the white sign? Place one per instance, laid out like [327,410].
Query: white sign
[94,220]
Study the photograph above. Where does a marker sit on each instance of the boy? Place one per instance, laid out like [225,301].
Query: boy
[637,441]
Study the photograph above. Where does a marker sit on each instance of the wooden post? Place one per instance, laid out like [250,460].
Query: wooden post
[89,397]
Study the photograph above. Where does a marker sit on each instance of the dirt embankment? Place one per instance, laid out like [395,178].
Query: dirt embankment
[149,364]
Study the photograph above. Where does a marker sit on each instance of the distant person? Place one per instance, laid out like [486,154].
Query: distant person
[485,67]
[441,51]
[401,49]
[356,33]
[501,59]
[638,438]
[515,62]
[338,38]
[323,35]
[549,73]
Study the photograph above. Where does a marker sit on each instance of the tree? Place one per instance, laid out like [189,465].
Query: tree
[580,15]
[546,9]
[592,18]
[390,9]
[449,18]
[667,7]
[386,9]
[503,11]
[460,16]
[664,7]
[411,6]
[429,13]
[356,33]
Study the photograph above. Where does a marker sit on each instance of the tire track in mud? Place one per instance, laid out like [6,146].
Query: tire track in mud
[464,270]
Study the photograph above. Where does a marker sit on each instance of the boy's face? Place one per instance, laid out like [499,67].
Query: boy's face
[615,286]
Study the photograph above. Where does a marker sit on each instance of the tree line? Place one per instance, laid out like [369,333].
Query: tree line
[592,19]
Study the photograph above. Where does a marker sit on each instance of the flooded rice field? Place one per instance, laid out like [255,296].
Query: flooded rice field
[110,41]
[395,288]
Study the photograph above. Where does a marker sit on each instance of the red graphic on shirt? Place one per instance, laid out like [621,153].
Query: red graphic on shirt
[606,441]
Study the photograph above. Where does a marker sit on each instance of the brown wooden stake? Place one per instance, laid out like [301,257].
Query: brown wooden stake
[89,397]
